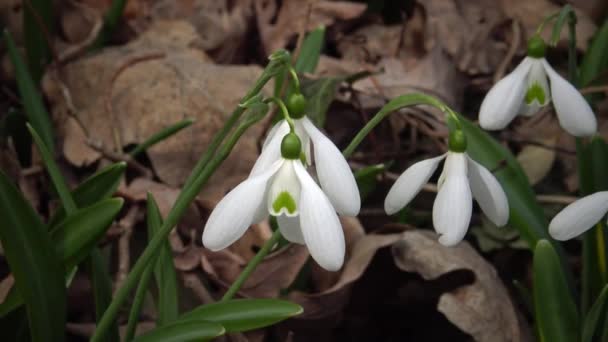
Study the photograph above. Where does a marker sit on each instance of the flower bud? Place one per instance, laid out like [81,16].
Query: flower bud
[457,141]
[536,47]
[291,147]
[296,104]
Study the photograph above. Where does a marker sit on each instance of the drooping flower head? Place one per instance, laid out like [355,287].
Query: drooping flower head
[461,180]
[579,216]
[532,85]
[281,186]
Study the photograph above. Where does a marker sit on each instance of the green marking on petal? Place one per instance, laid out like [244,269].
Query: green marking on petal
[535,92]
[284,200]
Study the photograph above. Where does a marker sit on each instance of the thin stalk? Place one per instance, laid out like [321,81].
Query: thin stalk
[138,301]
[283,110]
[160,136]
[251,266]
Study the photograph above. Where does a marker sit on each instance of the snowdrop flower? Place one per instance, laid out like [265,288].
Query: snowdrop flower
[461,180]
[335,176]
[579,216]
[532,85]
[283,188]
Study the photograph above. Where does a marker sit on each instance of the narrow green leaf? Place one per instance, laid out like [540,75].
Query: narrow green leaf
[38,28]
[597,315]
[320,94]
[78,233]
[38,271]
[138,301]
[22,140]
[100,185]
[311,51]
[556,313]
[564,15]
[238,315]
[183,330]
[110,22]
[160,136]
[53,170]
[101,283]
[164,270]
[595,60]
[32,102]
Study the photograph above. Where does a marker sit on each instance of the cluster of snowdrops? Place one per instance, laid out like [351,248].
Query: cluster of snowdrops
[307,210]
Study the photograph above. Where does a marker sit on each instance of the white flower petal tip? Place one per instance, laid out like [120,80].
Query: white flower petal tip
[579,216]
[503,101]
[409,184]
[320,225]
[489,193]
[454,204]
[237,211]
[574,113]
[335,176]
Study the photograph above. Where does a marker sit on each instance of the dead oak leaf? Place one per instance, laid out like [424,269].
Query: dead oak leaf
[482,309]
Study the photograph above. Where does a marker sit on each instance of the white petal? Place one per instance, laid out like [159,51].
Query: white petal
[334,174]
[504,100]
[304,138]
[320,225]
[236,211]
[573,111]
[489,193]
[409,184]
[579,216]
[290,228]
[454,204]
[536,77]
[271,151]
[285,182]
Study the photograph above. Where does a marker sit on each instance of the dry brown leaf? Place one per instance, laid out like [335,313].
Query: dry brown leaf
[482,309]
[278,25]
[160,80]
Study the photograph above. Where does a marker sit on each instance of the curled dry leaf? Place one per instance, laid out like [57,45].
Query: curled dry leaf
[482,309]
[126,94]
[278,25]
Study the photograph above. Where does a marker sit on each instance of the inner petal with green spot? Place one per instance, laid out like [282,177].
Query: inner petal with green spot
[535,92]
[284,200]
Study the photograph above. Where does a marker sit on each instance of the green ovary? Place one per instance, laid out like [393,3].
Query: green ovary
[535,92]
[284,200]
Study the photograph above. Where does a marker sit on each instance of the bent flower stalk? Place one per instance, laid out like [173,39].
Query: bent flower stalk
[531,86]
[279,185]
[461,180]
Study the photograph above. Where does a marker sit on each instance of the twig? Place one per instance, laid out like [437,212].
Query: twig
[117,157]
[515,42]
[124,252]
[193,282]
[74,51]
[595,89]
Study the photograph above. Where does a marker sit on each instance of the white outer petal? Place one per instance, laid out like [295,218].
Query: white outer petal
[537,75]
[334,174]
[271,151]
[573,111]
[304,138]
[489,193]
[237,210]
[504,100]
[290,228]
[454,203]
[410,182]
[579,216]
[320,225]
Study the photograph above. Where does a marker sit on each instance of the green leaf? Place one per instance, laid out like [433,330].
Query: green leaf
[320,94]
[367,178]
[593,326]
[160,136]
[311,51]
[53,170]
[22,140]
[38,28]
[110,22]
[556,313]
[32,102]
[238,315]
[101,284]
[35,264]
[183,330]
[164,270]
[78,233]
[101,185]
[595,61]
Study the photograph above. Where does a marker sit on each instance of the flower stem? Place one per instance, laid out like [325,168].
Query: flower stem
[283,110]
[295,79]
[251,266]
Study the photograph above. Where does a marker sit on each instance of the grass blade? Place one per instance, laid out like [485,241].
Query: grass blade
[110,22]
[38,27]
[160,136]
[32,102]
[102,291]
[38,270]
[183,330]
[593,325]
